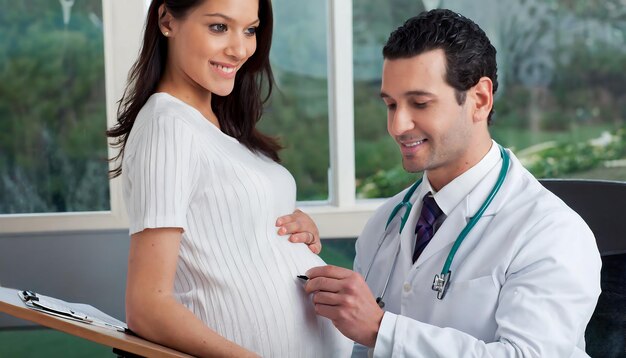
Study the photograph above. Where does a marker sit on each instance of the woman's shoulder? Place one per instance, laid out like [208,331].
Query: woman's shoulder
[162,112]
[162,107]
[161,120]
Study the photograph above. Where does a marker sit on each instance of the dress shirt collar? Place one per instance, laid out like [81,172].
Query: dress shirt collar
[451,195]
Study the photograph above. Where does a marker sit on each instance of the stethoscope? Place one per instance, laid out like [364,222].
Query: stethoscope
[441,281]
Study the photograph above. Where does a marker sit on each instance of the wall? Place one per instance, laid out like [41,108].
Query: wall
[84,267]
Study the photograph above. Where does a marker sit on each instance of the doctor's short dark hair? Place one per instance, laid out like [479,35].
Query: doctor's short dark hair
[469,53]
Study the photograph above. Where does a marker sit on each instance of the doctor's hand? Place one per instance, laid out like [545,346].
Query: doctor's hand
[342,296]
[302,229]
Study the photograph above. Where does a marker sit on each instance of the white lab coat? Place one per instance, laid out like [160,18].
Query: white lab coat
[524,282]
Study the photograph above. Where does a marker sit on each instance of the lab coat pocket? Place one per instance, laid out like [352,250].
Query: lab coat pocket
[484,282]
[470,306]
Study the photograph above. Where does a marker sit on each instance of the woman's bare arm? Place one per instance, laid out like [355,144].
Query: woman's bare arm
[151,310]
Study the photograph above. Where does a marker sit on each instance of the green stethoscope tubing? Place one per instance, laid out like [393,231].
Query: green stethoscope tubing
[506,159]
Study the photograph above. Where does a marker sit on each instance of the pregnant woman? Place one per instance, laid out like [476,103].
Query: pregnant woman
[208,273]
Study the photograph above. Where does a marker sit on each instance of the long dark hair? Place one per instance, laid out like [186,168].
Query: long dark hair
[237,113]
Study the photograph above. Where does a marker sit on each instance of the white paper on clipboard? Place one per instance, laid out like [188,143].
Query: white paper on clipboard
[74,311]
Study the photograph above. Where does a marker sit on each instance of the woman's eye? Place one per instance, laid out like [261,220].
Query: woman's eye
[419,104]
[251,31]
[391,106]
[218,28]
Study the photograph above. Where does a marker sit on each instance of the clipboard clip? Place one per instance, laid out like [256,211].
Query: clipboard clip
[28,295]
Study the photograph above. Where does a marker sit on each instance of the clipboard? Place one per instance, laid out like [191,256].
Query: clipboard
[73,311]
[122,343]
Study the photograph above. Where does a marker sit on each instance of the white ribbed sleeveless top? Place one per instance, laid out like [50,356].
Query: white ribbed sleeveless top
[234,271]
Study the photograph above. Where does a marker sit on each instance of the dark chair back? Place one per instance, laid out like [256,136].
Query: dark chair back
[602,204]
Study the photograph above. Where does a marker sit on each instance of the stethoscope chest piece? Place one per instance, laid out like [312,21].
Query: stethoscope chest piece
[441,283]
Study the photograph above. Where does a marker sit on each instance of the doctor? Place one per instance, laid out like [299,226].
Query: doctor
[525,276]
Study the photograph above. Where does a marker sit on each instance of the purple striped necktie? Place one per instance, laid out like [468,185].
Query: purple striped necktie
[425,230]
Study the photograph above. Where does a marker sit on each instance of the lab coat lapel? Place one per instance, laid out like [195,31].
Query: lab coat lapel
[459,217]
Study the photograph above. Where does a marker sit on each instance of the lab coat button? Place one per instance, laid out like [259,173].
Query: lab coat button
[407,287]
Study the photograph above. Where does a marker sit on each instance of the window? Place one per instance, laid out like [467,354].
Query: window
[52,108]
[560,106]
[339,252]
[377,158]
[298,112]
[63,65]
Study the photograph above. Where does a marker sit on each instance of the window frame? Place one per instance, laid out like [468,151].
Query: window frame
[341,216]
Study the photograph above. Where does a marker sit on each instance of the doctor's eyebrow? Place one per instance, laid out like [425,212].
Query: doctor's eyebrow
[409,93]
[418,93]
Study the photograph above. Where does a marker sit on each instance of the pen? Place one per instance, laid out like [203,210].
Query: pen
[304,278]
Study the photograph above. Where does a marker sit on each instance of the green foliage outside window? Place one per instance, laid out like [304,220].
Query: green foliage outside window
[553,160]
[52,110]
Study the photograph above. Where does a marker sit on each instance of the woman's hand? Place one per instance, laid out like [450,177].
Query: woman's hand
[302,229]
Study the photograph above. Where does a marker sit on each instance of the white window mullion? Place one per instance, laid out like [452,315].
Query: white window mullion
[343,216]
[341,104]
[120,51]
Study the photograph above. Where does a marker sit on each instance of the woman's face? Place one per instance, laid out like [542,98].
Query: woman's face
[210,44]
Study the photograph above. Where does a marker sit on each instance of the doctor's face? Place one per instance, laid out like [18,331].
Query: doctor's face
[432,129]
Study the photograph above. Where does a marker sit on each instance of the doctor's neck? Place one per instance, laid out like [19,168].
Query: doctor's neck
[441,176]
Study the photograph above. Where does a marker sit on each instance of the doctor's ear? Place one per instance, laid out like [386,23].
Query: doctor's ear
[165,21]
[482,97]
